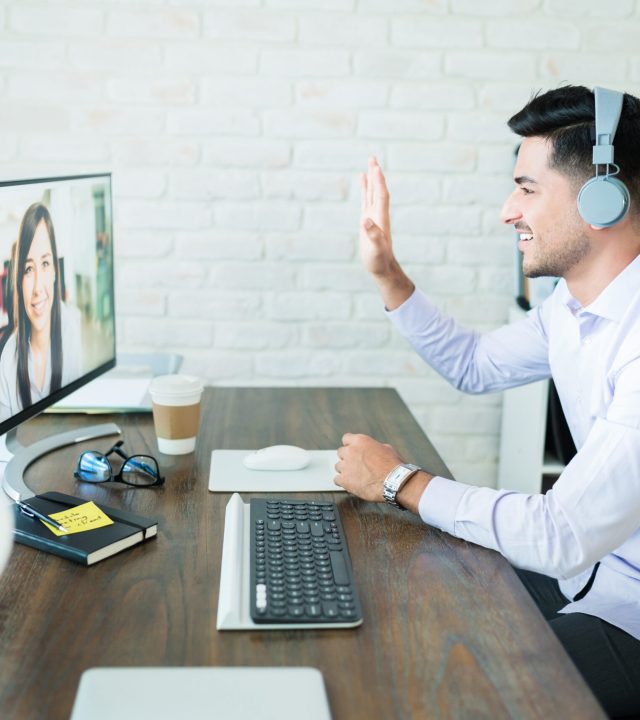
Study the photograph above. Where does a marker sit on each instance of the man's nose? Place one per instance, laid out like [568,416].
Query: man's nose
[510,213]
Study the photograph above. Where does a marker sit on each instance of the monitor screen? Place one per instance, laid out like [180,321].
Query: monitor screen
[57,316]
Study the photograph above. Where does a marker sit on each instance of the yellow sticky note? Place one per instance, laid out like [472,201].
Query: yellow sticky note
[87,516]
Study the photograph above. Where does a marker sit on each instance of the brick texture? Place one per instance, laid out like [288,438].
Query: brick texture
[236,130]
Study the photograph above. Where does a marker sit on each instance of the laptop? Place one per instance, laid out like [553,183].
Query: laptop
[196,693]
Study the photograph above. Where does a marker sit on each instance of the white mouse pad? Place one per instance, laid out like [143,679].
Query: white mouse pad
[228,474]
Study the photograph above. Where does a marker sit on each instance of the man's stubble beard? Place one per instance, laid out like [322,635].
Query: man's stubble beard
[559,261]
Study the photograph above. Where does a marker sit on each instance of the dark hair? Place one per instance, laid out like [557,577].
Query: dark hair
[34,215]
[566,117]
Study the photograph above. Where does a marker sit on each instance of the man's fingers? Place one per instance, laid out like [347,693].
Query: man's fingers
[373,164]
[381,196]
[363,194]
[374,232]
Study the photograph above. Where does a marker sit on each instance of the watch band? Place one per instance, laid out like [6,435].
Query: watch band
[395,480]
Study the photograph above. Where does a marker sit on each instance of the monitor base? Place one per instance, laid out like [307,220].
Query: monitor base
[13,478]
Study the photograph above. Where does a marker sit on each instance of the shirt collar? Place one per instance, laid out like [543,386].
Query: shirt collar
[613,301]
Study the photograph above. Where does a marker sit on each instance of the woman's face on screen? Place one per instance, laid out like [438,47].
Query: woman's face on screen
[38,279]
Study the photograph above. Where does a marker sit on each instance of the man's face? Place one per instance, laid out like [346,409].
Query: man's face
[542,208]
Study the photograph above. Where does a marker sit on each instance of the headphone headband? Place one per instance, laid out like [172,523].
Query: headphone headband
[608,109]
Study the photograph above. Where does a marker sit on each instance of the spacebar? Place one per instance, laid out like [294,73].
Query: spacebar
[339,568]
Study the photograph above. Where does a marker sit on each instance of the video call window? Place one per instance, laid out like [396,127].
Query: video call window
[57,318]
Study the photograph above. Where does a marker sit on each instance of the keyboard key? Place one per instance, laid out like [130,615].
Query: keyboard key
[330,609]
[340,574]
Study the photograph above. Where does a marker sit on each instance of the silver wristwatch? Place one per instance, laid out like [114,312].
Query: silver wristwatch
[395,480]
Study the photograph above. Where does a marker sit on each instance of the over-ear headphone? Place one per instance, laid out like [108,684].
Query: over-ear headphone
[604,200]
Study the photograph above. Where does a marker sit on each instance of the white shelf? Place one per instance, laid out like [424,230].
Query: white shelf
[551,465]
[523,459]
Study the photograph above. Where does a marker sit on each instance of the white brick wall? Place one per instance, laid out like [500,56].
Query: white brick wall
[236,129]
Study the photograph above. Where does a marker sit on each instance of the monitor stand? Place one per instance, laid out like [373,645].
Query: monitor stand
[20,457]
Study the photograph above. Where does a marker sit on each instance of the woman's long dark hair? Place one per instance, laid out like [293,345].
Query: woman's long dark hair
[34,215]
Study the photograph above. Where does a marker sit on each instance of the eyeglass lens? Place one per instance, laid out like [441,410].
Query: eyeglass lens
[93,467]
[137,470]
[140,470]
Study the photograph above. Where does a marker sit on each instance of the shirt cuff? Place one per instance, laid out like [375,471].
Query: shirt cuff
[414,312]
[439,503]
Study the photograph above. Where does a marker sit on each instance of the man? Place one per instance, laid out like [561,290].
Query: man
[577,548]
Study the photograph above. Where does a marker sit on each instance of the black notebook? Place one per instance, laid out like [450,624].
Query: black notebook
[88,547]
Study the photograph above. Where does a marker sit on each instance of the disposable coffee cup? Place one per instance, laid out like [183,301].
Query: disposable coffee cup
[176,412]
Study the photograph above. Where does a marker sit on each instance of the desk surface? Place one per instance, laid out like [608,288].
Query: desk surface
[448,632]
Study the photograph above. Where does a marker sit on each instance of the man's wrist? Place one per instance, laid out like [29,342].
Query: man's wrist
[394,286]
[410,493]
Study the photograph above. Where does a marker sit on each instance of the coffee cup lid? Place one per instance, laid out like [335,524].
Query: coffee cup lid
[175,384]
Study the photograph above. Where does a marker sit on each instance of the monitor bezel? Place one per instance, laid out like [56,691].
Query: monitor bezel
[54,397]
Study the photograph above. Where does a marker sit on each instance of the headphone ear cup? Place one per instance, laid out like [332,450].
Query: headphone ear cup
[603,201]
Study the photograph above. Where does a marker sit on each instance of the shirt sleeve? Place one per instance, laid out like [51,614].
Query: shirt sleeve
[475,362]
[592,508]
[590,511]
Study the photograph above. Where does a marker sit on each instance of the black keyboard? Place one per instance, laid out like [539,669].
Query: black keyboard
[300,566]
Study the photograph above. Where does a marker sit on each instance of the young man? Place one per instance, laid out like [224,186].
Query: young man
[577,547]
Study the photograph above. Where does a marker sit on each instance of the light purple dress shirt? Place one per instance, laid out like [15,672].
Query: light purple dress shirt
[592,513]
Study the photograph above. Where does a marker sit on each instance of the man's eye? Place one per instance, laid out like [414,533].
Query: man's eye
[526,191]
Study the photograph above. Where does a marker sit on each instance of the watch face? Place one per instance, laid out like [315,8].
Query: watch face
[391,483]
[395,480]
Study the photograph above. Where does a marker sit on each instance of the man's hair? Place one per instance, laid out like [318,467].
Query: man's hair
[566,117]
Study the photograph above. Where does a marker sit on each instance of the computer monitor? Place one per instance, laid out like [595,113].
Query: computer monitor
[57,315]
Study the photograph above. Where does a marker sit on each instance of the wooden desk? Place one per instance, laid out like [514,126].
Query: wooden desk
[448,632]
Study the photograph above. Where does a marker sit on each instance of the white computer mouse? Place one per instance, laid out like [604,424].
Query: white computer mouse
[278,457]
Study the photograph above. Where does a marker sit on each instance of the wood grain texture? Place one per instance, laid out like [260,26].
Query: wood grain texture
[449,631]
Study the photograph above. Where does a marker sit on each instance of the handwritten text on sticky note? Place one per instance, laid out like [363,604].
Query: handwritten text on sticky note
[87,516]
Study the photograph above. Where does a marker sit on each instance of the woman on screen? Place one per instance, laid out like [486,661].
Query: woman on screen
[43,351]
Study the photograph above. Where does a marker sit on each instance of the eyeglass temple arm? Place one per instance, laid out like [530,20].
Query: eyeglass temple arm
[136,463]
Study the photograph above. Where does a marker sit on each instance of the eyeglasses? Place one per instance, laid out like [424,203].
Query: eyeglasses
[137,470]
